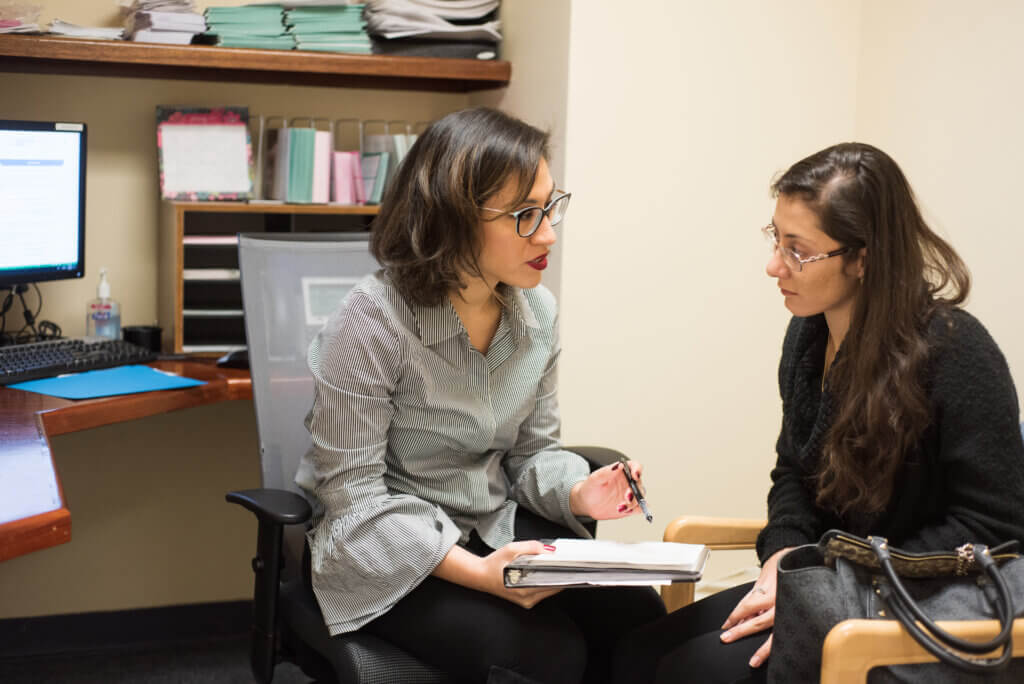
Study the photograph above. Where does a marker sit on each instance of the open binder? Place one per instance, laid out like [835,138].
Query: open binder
[589,562]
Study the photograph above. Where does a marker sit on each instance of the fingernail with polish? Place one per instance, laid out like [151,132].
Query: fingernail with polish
[755,661]
[629,496]
[622,508]
[615,467]
[549,547]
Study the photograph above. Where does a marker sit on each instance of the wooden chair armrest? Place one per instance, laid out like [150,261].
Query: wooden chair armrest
[719,534]
[853,647]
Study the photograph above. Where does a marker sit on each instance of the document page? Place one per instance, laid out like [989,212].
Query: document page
[593,553]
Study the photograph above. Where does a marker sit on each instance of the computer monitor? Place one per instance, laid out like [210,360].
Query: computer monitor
[42,201]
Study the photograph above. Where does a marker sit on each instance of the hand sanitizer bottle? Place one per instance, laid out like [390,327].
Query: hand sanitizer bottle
[103,314]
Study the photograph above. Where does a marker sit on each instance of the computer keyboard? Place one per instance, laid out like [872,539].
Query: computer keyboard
[20,362]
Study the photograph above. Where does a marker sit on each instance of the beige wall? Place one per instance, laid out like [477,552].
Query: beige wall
[678,117]
[940,90]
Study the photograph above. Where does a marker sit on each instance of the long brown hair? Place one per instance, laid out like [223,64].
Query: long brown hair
[427,234]
[863,200]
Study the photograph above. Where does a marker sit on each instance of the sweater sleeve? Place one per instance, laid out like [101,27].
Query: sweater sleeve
[371,547]
[793,517]
[981,454]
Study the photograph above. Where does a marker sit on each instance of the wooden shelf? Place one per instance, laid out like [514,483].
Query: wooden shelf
[261,208]
[76,56]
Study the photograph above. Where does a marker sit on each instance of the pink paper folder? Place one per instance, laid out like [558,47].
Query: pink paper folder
[321,167]
[348,179]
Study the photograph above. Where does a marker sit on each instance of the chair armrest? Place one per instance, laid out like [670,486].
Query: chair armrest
[273,505]
[719,534]
[853,647]
[596,456]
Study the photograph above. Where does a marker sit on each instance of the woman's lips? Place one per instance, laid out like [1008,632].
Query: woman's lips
[540,263]
[785,292]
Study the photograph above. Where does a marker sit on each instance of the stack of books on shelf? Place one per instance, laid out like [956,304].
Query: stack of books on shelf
[249,26]
[329,28]
[173,22]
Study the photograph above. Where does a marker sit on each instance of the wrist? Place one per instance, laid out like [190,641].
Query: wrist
[575,504]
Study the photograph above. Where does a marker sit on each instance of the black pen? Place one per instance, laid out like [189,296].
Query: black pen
[636,489]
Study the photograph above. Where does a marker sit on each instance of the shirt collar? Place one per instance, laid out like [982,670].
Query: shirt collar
[439,323]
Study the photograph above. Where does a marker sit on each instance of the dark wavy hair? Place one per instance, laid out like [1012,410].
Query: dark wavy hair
[863,200]
[428,231]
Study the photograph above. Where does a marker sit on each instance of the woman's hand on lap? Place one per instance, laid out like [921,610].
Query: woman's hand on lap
[756,611]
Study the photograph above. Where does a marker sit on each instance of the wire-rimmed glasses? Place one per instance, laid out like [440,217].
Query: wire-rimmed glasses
[528,219]
[791,257]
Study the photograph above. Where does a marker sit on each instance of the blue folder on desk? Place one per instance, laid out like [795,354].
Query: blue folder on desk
[107,383]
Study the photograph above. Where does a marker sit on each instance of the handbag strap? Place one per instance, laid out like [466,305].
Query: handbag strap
[930,644]
[937,637]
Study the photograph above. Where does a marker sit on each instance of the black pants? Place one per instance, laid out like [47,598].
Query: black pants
[564,639]
[684,646]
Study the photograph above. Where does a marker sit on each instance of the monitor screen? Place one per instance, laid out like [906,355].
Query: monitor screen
[42,201]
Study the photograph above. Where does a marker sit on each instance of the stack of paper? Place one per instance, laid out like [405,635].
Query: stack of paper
[250,26]
[589,562]
[330,28]
[162,21]
[63,28]
[392,19]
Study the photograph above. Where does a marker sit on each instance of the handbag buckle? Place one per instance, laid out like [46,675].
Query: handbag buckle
[964,559]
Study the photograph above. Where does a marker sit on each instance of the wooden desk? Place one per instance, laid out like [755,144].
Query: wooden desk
[28,419]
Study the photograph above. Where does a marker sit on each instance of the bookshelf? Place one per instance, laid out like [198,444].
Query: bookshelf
[200,295]
[75,56]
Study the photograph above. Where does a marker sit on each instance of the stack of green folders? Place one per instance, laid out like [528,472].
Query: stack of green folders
[250,26]
[329,28]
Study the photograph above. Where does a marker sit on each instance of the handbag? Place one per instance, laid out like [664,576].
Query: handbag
[844,576]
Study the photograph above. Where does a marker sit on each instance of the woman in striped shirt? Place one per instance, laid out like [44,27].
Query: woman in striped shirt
[436,456]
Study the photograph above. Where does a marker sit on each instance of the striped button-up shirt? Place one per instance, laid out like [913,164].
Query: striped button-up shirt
[418,439]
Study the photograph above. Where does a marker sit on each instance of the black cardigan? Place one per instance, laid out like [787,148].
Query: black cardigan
[964,483]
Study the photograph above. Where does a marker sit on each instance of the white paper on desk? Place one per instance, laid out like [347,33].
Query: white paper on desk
[28,485]
[204,158]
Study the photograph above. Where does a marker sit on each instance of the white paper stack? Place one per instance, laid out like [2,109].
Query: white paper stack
[429,19]
[64,28]
[162,21]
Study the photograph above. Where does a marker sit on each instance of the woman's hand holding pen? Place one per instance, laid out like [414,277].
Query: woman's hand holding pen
[487,573]
[606,494]
[756,611]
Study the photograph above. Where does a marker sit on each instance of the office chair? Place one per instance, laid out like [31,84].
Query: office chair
[290,284]
[853,647]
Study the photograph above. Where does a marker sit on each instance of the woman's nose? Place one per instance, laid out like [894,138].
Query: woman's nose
[776,267]
[545,234]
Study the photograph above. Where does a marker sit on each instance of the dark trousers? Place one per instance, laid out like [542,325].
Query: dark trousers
[684,646]
[564,639]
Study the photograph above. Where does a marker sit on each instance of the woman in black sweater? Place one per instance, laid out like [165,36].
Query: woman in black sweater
[900,417]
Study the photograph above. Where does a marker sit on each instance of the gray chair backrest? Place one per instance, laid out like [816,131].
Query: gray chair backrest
[291,282]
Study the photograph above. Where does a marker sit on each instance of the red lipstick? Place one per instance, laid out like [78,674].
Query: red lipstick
[540,263]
